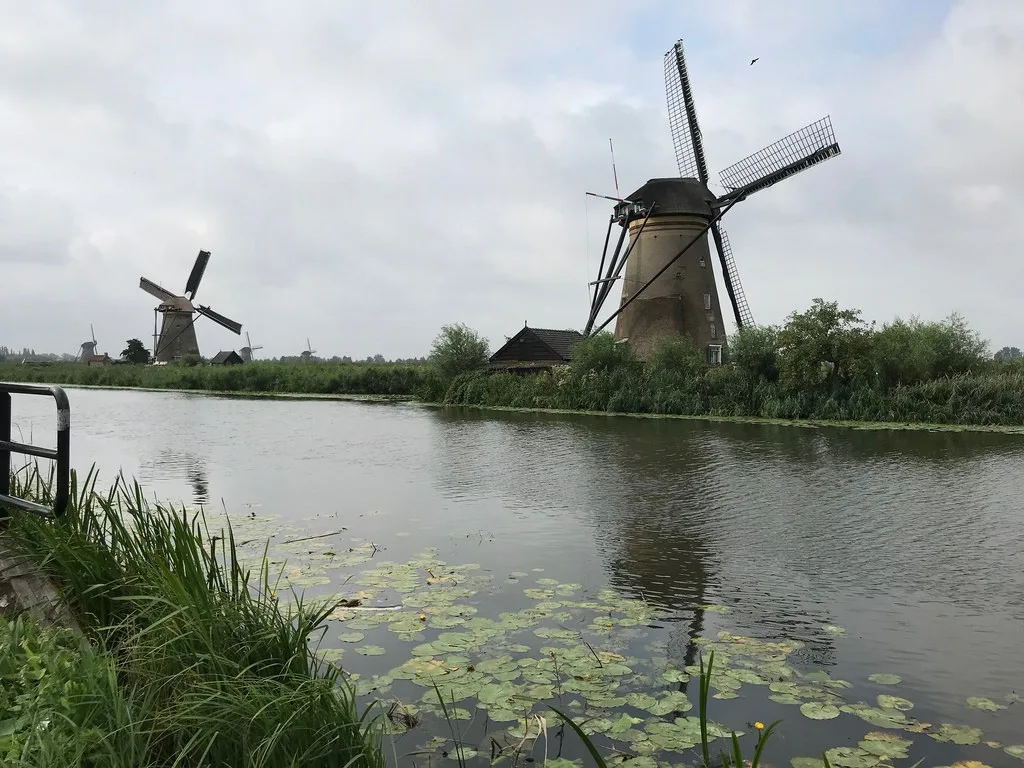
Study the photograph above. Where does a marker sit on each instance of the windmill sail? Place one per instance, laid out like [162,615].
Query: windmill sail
[218,318]
[744,317]
[689,146]
[682,117]
[196,276]
[800,150]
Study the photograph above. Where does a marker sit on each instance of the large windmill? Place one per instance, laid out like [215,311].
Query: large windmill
[177,335]
[669,287]
[88,348]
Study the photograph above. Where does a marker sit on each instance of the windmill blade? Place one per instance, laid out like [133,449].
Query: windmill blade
[218,318]
[192,286]
[682,117]
[733,286]
[811,145]
[155,290]
[92,333]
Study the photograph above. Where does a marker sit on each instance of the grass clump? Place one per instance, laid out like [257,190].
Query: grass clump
[204,665]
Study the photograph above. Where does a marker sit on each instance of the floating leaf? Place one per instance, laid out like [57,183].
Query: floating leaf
[851,757]
[980,702]
[351,637]
[957,734]
[834,630]
[888,745]
[817,711]
[370,650]
[895,702]
[1015,750]
[883,678]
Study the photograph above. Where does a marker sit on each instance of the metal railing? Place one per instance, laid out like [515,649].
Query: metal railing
[61,454]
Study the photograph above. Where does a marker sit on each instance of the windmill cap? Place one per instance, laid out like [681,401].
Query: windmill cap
[676,196]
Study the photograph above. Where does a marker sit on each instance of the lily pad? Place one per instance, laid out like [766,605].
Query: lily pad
[1015,750]
[957,734]
[817,711]
[351,637]
[894,702]
[980,702]
[886,745]
[852,757]
[370,650]
[883,678]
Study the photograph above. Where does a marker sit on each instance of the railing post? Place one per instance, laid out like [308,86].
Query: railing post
[5,452]
[61,454]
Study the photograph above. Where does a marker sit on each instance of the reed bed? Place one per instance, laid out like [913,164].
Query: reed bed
[314,378]
[192,658]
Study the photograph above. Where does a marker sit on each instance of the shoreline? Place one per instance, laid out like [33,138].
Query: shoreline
[366,398]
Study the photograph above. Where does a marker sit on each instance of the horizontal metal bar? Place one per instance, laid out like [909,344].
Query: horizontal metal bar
[29,450]
[30,506]
[605,280]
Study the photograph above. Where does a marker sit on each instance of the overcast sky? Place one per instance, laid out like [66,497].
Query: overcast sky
[366,172]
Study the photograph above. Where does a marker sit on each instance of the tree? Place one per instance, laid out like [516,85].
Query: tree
[135,352]
[755,349]
[458,349]
[1008,355]
[825,345]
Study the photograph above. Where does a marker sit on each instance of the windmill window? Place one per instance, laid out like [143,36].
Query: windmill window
[702,262]
[715,354]
[707,301]
[714,331]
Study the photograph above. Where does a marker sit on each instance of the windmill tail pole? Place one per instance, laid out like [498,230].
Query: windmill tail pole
[615,269]
[600,268]
[598,299]
[718,216]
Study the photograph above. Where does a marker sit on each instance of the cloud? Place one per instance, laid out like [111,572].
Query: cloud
[363,174]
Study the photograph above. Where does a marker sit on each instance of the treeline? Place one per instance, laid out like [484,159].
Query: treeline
[319,378]
[824,363]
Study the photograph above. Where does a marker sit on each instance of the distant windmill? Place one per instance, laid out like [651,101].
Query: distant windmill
[177,336]
[88,347]
[308,352]
[246,352]
[669,287]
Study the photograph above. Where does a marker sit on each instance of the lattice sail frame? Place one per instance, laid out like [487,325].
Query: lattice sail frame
[687,159]
[787,157]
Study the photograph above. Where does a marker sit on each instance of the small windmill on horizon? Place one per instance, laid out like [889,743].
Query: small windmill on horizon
[669,286]
[88,348]
[246,352]
[308,352]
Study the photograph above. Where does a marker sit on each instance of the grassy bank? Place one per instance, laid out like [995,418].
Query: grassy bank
[192,659]
[259,376]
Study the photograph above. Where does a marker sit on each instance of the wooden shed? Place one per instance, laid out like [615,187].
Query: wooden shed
[227,358]
[536,349]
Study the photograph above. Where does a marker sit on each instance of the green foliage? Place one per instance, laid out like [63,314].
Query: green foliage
[1008,355]
[755,351]
[824,346]
[600,354]
[135,352]
[458,349]
[213,670]
[825,363]
[319,378]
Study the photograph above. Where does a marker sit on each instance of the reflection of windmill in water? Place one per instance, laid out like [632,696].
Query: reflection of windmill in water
[88,348]
[175,466]
[177,335]
[669,286]
[246,352]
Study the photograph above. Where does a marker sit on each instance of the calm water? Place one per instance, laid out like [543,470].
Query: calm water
[913,543]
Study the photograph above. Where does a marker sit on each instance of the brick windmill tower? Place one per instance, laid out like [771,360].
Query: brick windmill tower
[669,286]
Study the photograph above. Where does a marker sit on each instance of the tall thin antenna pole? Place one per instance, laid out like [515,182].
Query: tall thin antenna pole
[615,174]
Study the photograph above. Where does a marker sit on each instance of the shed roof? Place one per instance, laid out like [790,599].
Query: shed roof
[541,344]
[226,357]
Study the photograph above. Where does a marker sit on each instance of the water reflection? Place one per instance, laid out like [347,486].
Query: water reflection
[168,464]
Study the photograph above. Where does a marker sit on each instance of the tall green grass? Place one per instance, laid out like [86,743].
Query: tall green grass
[211,668]
[321,378]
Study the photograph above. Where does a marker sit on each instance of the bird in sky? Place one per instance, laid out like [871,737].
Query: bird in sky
[753,60]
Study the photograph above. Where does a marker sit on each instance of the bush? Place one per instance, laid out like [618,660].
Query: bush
[458,349]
